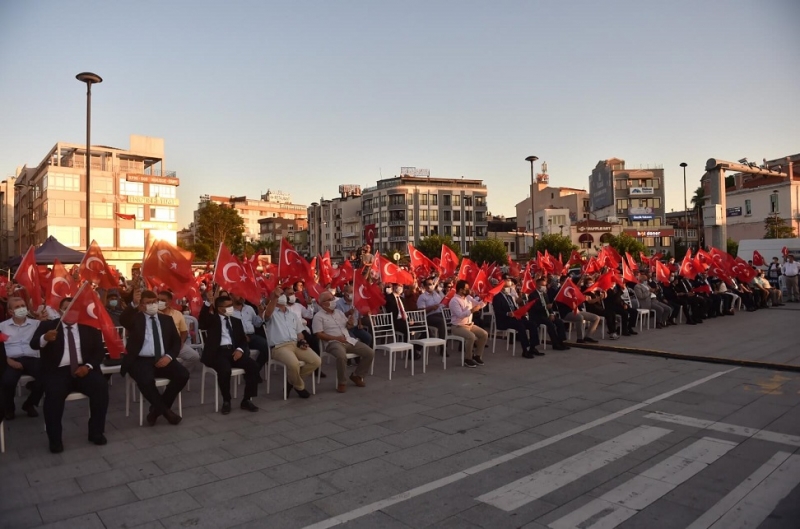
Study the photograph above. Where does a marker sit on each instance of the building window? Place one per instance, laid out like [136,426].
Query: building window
[65,208]
[480,216]
[747,209]
[423,199]
[480,201]
[434,200]
[129,238]
[103,236]
[103,184]
[468,230]
[468,202]
[102,210]
[468,216]
[622,204]
[773,203]
[423,214]
[157,190]
[480,231]
[397,200]
[448,230]
[66,235]
[446,200]
[456,200]
[447,216]
[132,209]
[434,214]
[62,182]
[131,189]
[456,216]
[456,231]
[162,214]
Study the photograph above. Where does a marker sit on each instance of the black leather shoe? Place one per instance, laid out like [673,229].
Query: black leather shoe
[248,405]
[57,447]
[152,417]
[226,407]
[172,417]
[303,393]
[537,353]
[99,440]
[527,355]
[30,409]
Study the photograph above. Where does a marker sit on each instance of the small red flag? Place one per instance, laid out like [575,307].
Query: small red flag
[448,262]
[87,309]
[687,266]
[468,271]
[528,283]
[570,295]
[523,310]
[420,264]
[27,275]
[391,273]
[292,267]
[758,259]
[61,285]
[367,297]
[93,268]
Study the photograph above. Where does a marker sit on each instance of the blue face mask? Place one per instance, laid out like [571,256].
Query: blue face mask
[112,303]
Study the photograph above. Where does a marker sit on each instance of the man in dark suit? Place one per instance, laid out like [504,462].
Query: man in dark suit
[503,305]
[153,347]
[225,347]
[396,306]
[71,356]
[541,313]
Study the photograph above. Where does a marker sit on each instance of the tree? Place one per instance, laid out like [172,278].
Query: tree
[489,251]
[625,243]
[431,246]
[775,227]
[732,247]
[699,199]
[217,224]
[555,244]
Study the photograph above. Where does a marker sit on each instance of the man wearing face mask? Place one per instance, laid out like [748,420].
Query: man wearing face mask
[188,357]
[305,316]
[462,307]
[20,358]
[541,313]
[152,349]
[252,325]
[285,333]
[332,326]
[71,357]
[114,307]
[431,302]
[225,348]
[504,305]
[345,304]
[395,304]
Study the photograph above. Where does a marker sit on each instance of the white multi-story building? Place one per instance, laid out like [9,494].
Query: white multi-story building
[335,225]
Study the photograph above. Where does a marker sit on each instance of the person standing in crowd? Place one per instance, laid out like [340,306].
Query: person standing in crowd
[462,307]
[225,347]
[285,332]
[71,359]
[790,270]
[21,359]
[152,352]
[774,273]
[333,327]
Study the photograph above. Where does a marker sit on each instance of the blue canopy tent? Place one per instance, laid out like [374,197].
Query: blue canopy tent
[49,251]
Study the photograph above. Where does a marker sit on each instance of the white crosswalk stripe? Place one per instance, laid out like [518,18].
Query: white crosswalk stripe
[755,498]
[624,501]
[764,435]
[527,489]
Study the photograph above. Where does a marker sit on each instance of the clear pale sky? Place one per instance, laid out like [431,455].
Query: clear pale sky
[304,96]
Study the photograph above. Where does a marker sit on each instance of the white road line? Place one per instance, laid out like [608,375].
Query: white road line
[621,503]
[423,489]
[755,498]
[532,487]
[765,435]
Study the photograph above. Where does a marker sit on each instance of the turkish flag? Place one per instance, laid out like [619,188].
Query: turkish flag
[367,297]
[468,270]
[369,234]
[93,268]
[722,259]
[576,259]
[27,275]
[528,284]
[687,269]
[124,216]
[662,272]
[420,265]
[87,309]
[758,259]
[233,277]
[448,262]
[61,286]
[702,289]
[631,262]
[513,268]
[570,295]
[644,259]
[742,271]
[325,269]
[785,251]
[544,262]
[703,260]
[194,300]
[341,276]
[593,266]
[314,289]
[627,273]
[482,289]
[523,310]
[604,282]
[291,266]
[165,267]
[391,273]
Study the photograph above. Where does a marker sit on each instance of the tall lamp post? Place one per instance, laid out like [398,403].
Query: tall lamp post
[89,78]
[533,210]
[685,207]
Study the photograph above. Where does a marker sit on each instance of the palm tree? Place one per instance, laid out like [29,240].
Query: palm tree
[698,201]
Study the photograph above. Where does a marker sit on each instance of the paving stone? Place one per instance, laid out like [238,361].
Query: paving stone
[352,476]
[85,504]
[167,483]
[287,473]
[299,516]
[413,437]
[149,510]
[24,496]
[361,435]
[242,465]
[20,518]
[307,449]
[292,494]
[183,461]
[85,521]
[418,455]
[118,476]
[228,489]
[376,520]
[229,514]
[314,431]
[362,452]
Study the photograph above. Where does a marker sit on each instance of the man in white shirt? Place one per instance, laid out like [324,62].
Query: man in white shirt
[21,359]
[285,332]
[462,306]
[431,302]
[251,323]
[332,326]
[790,270]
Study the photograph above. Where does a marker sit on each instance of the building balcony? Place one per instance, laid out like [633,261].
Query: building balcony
[399,238]
[350,234]
[397,222]
[350,220]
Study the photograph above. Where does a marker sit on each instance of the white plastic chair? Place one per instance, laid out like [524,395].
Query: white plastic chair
[131,384]
[383,331]
[276,363]
[448,320]
[235,372]
[641,315]
[24,379]
[418,326]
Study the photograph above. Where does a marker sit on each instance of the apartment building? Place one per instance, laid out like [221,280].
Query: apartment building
[634,198]
[132,196]
[335,225]
[7,219]
[686,226]
[412,206]
[271,204]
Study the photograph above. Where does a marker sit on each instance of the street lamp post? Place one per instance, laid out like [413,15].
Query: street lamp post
[685,207]
[533,209]
[89,78]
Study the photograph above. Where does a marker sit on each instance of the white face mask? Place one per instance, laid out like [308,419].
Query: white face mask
[229,311]
[292,299]
[332,291]
[281,300]
[398,290]
[348,297]
[388,290]
[151,309]
[21,312]
[507,290]
[112,303]
[162,305]
[543,289]
[332,304]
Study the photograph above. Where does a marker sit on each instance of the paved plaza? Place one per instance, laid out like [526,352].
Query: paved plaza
[579,438]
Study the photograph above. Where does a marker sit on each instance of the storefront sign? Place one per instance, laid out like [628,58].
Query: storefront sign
[586,229]
[733,212]
[642,217]
[640,211]
[151,225]
[149,179]
[642,191]
[157,201]
[664,232]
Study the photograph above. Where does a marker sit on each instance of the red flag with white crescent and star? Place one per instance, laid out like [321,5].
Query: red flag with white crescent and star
[448,262]
[291,266]
[758,259]
[420,264]
[27,275]
[367,297]
[570,295]
[391,273]
[468,271]
[87,309]
[61,286]
[523,310]
[166,267]
[341,276]
[95,269]
[230,275]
